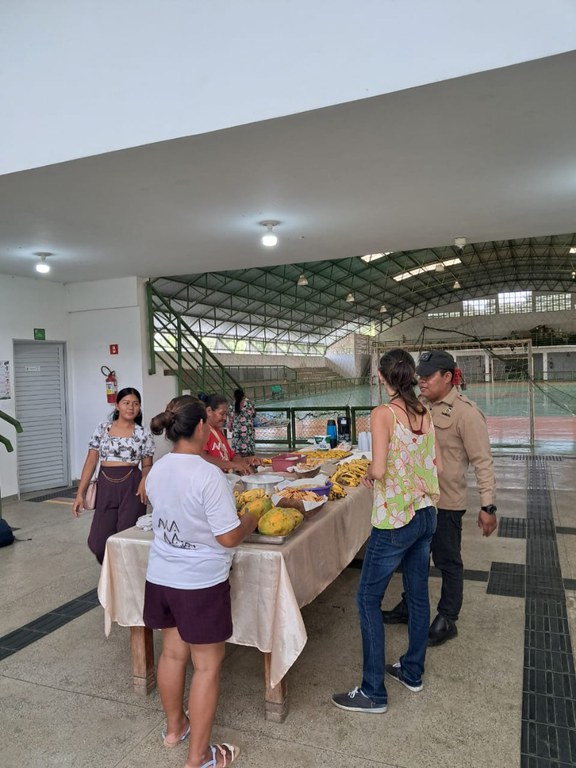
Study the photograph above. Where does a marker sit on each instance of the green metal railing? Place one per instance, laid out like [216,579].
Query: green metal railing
[293,389]
[181,351]
[298,425]
[6,443]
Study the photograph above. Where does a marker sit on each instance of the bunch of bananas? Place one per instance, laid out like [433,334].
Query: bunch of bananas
[336,492]
[351,472]
[246,496]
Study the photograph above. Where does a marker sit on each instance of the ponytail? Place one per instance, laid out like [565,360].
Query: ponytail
[398,369]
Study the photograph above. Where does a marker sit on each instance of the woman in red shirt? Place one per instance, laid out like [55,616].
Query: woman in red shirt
[217,449]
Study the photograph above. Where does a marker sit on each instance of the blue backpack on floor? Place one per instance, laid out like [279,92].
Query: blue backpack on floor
[6,535]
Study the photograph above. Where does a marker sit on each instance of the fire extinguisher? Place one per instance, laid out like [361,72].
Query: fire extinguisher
[111,384]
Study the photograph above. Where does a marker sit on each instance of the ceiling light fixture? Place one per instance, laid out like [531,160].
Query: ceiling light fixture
[302,280]
[456,285]
[439,267]
[460,243]
[42,267]
[383,308]
[350,298]
[269,239]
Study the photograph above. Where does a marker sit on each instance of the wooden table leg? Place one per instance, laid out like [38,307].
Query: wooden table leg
[142,648]
[276,698]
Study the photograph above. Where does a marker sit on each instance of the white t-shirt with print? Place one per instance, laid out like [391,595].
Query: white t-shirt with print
[192,503]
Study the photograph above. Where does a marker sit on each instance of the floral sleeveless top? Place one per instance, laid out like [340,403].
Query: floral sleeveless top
[411,479]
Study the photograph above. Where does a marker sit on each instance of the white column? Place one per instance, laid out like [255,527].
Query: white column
[486,367]
[545,366]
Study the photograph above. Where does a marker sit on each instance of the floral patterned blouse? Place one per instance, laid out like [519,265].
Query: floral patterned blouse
[411,479]
[243,428]
[126,449]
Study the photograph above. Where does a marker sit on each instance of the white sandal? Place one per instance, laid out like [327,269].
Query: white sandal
[228,751]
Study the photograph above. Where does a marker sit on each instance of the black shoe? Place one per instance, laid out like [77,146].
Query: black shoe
[398,614]
[441,629]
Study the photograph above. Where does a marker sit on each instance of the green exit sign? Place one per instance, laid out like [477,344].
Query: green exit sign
[39,334]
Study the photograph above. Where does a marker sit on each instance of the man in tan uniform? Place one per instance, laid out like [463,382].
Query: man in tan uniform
[462,438]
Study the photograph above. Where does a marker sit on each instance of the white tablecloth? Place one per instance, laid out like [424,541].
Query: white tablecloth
[269,583]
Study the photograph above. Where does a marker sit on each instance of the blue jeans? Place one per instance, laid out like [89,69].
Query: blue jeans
[386,549]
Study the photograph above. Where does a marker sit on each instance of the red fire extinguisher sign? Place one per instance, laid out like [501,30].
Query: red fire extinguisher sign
[111,384]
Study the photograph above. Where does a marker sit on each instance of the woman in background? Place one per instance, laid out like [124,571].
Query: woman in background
[217,449]
[187,592]
[404,478]
[121,444]
[242,424]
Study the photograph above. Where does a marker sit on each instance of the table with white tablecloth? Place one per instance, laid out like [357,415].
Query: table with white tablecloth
[269,583]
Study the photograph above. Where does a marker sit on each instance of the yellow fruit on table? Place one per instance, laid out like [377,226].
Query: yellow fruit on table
[246,496]
[279,522]
[256,507]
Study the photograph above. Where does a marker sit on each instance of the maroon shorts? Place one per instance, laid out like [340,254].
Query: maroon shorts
[201,616]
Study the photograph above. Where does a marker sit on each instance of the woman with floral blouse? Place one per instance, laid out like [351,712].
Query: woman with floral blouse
[242,424]
[121,445]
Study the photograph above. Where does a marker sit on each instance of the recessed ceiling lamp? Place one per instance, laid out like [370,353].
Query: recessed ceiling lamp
[269,239]
[350,298]
[439,267]
[456,285]
[42,267]
[383,308]
[572,250]
[302,280]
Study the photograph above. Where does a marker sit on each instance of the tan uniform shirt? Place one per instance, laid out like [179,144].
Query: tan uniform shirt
[462,436]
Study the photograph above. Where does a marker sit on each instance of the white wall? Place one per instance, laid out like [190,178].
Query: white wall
[348,355]
[25,304]
[82,78]
[87,317]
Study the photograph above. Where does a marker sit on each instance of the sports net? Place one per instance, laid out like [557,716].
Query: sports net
[528,395]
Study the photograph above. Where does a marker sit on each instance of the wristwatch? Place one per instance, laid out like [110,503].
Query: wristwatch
[490,508]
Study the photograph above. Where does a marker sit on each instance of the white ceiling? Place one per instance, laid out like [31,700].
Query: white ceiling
[489,156]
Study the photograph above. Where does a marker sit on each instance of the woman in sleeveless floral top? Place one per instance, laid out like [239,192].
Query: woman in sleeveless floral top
[404,479]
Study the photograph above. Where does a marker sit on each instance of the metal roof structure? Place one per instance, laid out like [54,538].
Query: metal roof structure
[268,306]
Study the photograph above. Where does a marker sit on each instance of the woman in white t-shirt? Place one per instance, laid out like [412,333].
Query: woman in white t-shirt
[187,589]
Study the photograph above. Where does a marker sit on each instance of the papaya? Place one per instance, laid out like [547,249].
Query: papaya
[256,507]
[279,522]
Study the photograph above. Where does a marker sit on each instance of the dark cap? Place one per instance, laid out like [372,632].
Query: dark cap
[436,360]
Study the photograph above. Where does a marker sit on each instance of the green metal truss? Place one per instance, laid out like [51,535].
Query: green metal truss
[263,308]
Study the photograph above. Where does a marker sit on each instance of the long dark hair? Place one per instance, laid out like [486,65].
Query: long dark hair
[238,397]
[180,419]
[398,369]
[120,396]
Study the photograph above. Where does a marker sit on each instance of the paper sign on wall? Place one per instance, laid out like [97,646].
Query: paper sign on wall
[5,380]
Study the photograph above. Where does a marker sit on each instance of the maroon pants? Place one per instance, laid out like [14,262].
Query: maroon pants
[117,506]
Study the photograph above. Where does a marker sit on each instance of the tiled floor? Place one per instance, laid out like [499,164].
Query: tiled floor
[499,695]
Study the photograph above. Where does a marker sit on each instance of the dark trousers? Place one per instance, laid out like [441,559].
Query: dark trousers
[447,556]
[117,506]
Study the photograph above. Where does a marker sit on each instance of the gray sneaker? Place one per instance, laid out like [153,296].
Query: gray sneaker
[395,671]
[357,701]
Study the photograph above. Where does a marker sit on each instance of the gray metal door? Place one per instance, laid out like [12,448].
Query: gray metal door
[39,393]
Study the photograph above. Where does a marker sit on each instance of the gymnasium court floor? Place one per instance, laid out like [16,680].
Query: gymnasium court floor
[502,694]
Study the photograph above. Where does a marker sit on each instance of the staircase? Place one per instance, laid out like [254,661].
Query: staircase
[175,345]
[316,374]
